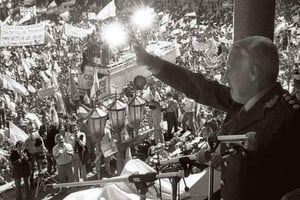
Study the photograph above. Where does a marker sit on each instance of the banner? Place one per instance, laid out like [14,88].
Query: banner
[72,31]
[85,81]
[22,35]
[47,92]
[31,10]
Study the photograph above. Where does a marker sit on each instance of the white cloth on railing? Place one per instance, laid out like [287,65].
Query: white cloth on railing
[127,191]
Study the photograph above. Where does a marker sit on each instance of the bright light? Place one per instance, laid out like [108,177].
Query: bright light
[114,34]
[143,17]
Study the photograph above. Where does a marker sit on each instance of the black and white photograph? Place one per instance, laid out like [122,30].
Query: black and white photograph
[149,99]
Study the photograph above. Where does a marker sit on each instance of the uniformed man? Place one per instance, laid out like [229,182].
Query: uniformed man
[254,102]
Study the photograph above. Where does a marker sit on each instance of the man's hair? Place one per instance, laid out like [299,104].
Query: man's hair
[58,136]
[263,54]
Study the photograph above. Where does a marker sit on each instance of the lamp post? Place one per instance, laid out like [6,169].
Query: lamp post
[117,114]
[96,124]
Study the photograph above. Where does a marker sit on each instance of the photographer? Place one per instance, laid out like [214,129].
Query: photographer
[63,155]
[80,157]
[21,169]
[35,146]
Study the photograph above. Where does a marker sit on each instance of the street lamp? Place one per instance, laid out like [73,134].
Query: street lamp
[117,114]
[136,110]
[96,124]
[117,111]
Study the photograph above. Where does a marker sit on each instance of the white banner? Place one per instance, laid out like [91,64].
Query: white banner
[24,11]
[22,35]
[72,31]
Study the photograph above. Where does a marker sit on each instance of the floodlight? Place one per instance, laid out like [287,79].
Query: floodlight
[114,34]
[143,18]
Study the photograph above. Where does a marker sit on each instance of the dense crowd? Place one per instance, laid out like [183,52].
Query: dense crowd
[203,40]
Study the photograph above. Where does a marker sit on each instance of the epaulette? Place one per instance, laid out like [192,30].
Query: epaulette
[291,101]
[272,102]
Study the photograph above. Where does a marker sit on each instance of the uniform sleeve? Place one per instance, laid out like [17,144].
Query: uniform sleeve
[194,85]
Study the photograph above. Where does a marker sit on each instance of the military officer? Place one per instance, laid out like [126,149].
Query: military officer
[254,102]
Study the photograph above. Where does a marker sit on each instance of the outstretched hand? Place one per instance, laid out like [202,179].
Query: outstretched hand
[141,53]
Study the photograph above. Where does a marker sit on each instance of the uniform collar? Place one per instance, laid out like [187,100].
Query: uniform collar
[259,108]
[252,101]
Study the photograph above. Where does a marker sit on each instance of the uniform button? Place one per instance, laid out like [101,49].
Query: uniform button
[243,153]
[221,182]
[225,163]
[296,106]
[287,98]
[292,101]
[227,145]
[221,199]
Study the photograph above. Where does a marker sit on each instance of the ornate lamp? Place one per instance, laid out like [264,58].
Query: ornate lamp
[96,122]
[136,109]
[117,111]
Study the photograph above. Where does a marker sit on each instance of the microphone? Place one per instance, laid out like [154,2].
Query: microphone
[178,159]
[248,137]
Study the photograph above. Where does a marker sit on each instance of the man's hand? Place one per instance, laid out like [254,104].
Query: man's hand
[142,56]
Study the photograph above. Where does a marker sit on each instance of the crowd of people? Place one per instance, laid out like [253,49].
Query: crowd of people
[203,39]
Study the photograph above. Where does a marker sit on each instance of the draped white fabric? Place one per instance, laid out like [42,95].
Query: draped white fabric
[127,191]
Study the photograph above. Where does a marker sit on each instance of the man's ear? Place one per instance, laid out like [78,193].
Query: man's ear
[254,73]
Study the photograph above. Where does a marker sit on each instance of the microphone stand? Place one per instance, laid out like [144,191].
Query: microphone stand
[213,144]
[141,181]
[186,165]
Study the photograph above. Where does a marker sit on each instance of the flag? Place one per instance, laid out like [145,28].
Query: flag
[54,116]
[164,20]
[83,111]
[31,88]
[280,27]
[128,155]
[52,7]
[49,39]
[73,89]
[26,66]
[11,84]
[16,134]
[95,87]
[108,11]
[86,99]
[61,108]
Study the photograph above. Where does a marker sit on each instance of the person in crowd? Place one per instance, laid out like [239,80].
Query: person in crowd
[156,114]
[21,170]
[37,151]
[80,153]
[188,107]
[297,85]
[266,168]
[48,132]
[171,112]
[2,112]
[63,155]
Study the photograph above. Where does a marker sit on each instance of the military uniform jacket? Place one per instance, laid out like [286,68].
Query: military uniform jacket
[270,168]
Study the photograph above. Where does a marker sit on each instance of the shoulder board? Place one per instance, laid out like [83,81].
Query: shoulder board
[272,102]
